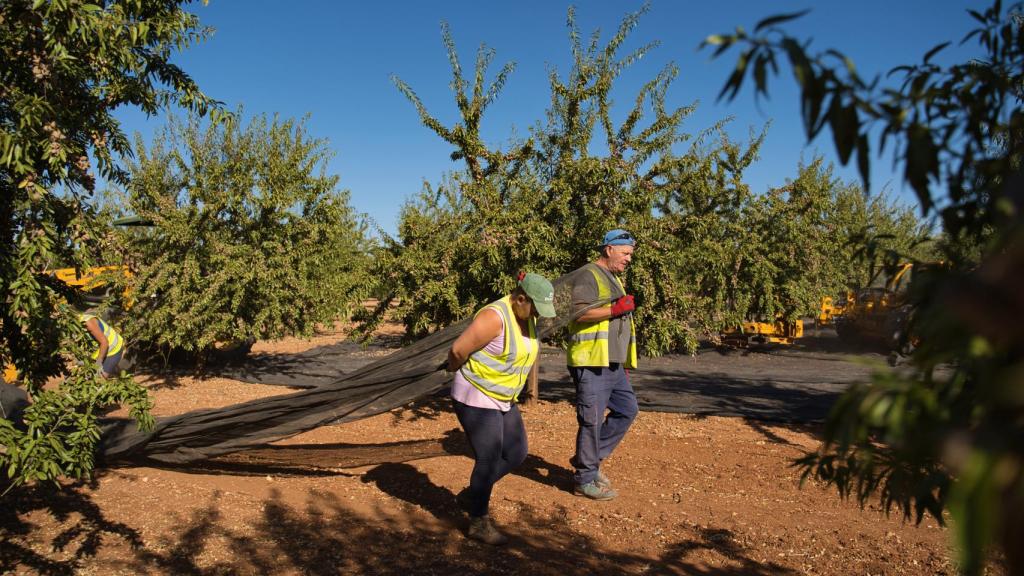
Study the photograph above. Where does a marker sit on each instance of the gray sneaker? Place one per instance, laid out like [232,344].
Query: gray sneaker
[595,491]
[482,528]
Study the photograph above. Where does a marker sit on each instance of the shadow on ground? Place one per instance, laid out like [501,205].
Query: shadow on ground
[83,529]
[326,536]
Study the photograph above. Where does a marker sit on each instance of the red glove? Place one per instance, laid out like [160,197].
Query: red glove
[623,305]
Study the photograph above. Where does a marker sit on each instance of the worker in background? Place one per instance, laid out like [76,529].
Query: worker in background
[110,345]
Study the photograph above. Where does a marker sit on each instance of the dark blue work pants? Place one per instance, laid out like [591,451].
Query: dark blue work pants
[498,440]
[599,390]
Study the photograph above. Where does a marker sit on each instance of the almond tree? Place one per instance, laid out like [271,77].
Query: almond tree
[542,204]
[65,66]
[251,237]
[712,251]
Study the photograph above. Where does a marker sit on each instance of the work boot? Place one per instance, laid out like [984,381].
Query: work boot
[595,491]
[482,528]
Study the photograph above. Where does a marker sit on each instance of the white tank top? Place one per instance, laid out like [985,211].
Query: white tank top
[465,392]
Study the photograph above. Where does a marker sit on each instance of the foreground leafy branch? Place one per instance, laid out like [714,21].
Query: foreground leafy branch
[66,67]
[949,436]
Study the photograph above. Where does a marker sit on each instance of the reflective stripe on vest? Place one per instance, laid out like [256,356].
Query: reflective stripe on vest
[502,377]
[114,341]
[588,341]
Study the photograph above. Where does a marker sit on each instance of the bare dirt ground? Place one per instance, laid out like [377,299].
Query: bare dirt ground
[699,493]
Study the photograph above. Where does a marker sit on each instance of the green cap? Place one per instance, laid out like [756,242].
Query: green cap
[541,292]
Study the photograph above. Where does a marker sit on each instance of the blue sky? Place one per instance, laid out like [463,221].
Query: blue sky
[333,60]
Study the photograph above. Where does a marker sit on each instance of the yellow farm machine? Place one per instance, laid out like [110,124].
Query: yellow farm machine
[880,314]
[831,309]
[751,332]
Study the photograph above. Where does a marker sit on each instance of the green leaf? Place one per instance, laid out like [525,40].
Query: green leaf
[779,19]
[928,56]
[864,161]
[716,39]
[735,82]
[845,128]
[760,75]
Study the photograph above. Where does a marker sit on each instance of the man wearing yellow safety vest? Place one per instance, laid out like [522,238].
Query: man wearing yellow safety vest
[110,345]
[491,360]
[602,348]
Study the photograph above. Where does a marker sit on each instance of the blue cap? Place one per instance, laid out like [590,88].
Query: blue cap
[618,237]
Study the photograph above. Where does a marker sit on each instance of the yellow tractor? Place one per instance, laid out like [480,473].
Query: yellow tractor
[880,314]
[778,332]
[831,309]
[93,282]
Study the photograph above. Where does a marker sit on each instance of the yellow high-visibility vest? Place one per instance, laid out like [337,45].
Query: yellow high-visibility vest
[114,340]
[588,341]
[503,376]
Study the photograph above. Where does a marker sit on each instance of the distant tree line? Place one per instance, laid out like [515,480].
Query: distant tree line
[712,252]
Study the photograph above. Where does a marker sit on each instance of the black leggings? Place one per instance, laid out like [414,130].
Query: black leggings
[498,440]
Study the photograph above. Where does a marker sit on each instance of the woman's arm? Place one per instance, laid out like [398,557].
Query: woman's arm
[94,328]
[484,328]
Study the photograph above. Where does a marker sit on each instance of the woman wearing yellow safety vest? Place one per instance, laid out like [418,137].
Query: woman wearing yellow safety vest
[110,345]
[491,360]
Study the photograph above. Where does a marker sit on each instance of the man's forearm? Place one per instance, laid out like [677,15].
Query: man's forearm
[596,314]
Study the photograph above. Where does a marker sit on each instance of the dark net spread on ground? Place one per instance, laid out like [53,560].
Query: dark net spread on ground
[410,373]
[13,401]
